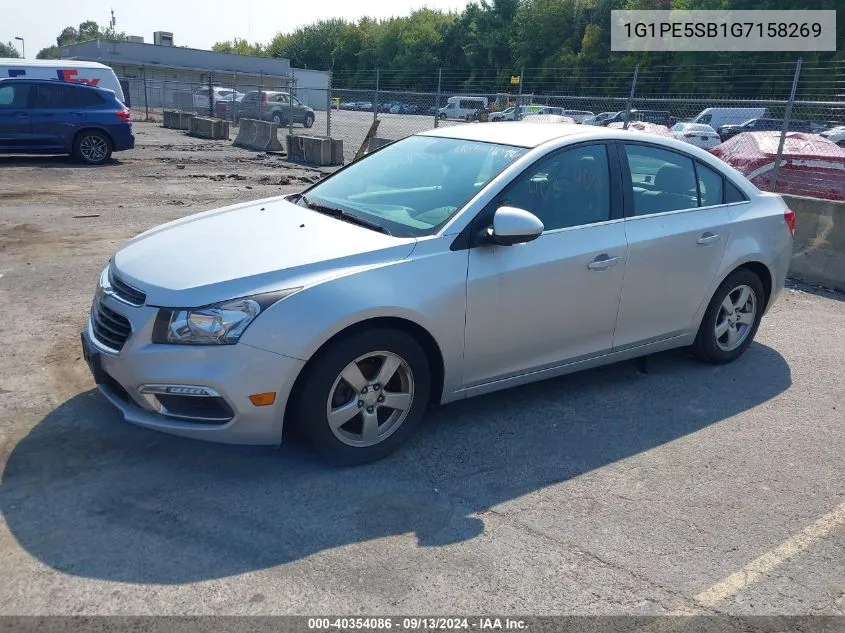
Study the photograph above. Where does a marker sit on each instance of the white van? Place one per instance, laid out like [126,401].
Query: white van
[717,117]
[460,107]
[71,70]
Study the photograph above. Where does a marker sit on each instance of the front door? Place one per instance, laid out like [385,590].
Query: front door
[15,115]
[553,300]
[675,243]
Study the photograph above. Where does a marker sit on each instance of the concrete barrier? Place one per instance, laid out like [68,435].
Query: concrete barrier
[376,143]
[259,135]
[818,255]
[177,120]
[204,127]
[315,150]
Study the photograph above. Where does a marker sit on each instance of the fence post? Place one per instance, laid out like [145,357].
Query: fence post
[375,100]
[437,103]
[786,116]
[518,116]
[146,100]
[630,101]
[210,93]
[329,106]
[234,94]
[290,102]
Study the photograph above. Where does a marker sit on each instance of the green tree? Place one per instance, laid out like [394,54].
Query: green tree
[8,50]
[88,30]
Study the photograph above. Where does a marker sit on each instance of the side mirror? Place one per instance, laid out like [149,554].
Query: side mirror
[513,226]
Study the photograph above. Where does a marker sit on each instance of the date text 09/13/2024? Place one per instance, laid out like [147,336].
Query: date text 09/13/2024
[415,623]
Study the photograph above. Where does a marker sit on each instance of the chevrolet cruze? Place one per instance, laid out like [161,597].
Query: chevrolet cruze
[450,264]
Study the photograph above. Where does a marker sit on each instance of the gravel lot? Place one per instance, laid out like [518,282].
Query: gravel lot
[606,492]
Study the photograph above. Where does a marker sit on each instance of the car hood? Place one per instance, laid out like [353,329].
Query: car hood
[248,249]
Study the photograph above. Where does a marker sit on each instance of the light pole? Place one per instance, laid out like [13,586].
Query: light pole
[23,47]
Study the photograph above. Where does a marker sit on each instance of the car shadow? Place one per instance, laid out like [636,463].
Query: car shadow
[92,496]
[62,161]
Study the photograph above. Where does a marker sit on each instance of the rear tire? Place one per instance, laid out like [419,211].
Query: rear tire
[731,320]
[333,414]
[277,119]
[92,147]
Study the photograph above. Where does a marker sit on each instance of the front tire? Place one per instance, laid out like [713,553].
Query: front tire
[309,120]
[731,319]
[364,396]
[92,148]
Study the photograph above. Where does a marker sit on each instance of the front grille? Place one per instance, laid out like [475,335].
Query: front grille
[110,328]
[125,292]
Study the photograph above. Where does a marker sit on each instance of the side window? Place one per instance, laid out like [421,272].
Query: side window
[705,119]
[568,188]
[732,193]
[662,180]
[14,96]
[79,98]
[709,185]
[49,96]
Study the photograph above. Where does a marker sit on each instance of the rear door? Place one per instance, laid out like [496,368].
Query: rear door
[677,228]
[15,115]
[58,111]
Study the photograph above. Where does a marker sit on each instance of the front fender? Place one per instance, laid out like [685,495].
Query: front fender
[429,290]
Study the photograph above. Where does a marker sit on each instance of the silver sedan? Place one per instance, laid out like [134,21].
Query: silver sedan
[447,265]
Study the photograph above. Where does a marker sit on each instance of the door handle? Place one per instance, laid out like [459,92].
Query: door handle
[602,262]
[707,239]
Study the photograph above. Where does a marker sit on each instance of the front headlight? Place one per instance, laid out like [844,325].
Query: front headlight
[218,324]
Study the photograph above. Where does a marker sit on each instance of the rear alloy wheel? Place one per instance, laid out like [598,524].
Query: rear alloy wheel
[732,318]
[92,148]
[277,119]
[309,120]
[364,396]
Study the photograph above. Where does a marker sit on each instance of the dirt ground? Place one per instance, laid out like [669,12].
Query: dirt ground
[715,490]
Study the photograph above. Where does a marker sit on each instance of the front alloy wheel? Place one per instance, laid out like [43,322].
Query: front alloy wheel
[363,395]
[370,399]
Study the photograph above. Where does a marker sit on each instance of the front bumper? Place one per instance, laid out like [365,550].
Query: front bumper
[233,371]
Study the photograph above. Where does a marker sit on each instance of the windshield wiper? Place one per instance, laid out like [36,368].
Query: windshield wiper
[340,214]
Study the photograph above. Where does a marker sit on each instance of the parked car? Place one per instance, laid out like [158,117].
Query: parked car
[44,116]
[579,116]
[517,112]
[835,134]
[434,269]
[68,70]
[201,96]
[762,125]
[659,117]
[698,134]
[461,107]
[643,126]
[348,105]
[364,106]
[542,117]
[717,117]
[599,119]
[274,106]
[811,165]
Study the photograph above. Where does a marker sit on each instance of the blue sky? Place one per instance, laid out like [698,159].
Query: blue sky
[197,24]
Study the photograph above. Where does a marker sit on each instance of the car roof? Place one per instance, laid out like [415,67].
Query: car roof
[53,82]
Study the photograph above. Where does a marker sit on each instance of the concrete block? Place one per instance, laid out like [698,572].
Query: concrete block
[176,120]
[818,254]
[204,127]
[315,150]
[258,135]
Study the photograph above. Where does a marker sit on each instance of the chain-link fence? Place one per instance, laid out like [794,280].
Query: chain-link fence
[776,123]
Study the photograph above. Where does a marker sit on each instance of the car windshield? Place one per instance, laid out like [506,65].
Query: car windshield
[415,185]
